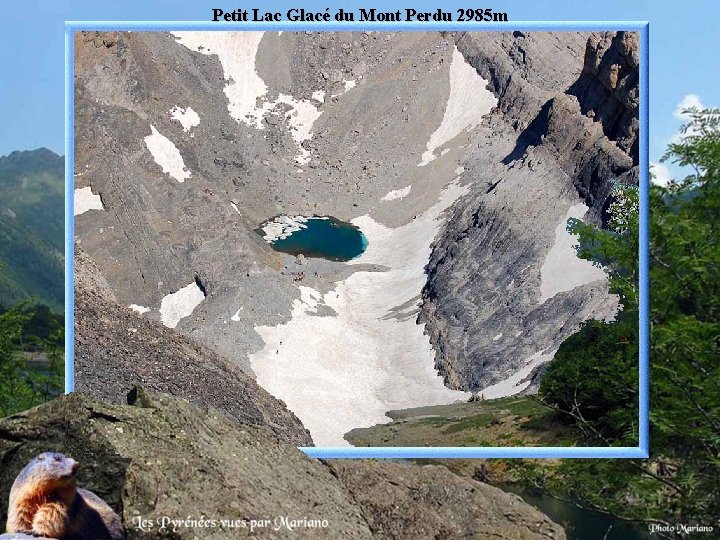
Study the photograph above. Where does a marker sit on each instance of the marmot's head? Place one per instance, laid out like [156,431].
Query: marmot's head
[54,470]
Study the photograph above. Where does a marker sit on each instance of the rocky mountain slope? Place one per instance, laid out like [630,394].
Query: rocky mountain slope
[163,457]
[490,308]
[459,155]
[115,348]
[31,249]
[608,88]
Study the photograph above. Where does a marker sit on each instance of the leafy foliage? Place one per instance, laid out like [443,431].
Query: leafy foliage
[593,378]
[31,372]
[602,396]
[31,267]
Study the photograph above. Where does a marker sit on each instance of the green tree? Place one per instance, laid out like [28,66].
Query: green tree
[593,379]
[25,381]
[601,397]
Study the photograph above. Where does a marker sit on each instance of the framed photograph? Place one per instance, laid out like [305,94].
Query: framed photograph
[372,237]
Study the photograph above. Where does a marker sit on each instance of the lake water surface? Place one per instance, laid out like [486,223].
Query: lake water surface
[581,524]
[314,236]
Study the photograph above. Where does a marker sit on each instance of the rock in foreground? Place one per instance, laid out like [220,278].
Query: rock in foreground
[163,458]
[410,501]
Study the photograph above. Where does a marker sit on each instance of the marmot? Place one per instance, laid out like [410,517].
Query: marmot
[45,501]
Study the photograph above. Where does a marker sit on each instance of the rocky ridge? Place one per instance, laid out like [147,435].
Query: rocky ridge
[612,59]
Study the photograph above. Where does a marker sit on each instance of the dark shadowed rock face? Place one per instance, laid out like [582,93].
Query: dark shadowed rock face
[608,87]
[115,349]
[165,457]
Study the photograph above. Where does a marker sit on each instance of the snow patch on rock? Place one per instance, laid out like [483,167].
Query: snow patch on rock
[348,85]
[461,112]
[166,154]
[237,51]
[139,309]
[188,118]
[319,95]
[84,199]
[515,383]
[562,269]
[397,194]
[180,304]
[301,118]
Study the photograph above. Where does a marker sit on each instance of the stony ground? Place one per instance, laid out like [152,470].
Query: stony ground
[115,349]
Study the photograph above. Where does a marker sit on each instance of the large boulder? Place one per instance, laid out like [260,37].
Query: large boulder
[163,457]
[402,501]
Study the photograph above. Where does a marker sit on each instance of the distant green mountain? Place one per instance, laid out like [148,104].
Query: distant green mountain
[31,227]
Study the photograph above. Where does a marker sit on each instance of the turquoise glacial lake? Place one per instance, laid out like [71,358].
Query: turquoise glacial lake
[314,236]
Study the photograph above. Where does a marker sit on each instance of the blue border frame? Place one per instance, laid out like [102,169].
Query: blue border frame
[643,448]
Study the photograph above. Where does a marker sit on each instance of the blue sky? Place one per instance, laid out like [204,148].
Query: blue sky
[683,51]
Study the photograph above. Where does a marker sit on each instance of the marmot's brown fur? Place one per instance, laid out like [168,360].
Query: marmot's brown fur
[45,501]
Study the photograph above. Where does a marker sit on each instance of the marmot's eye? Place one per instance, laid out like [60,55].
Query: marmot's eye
[57,458]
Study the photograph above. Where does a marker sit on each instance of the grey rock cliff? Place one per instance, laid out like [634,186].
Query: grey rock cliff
[400,501]
[162,456]
[571,142]
[608,88]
